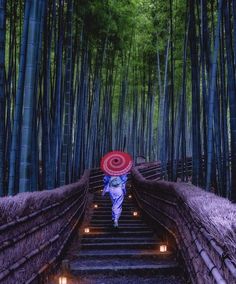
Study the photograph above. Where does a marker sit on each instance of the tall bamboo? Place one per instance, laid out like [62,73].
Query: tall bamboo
[33,45]
[15,146]
[211,100]
[2,93]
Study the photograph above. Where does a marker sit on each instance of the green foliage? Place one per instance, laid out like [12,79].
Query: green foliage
[110,19]
[123,54]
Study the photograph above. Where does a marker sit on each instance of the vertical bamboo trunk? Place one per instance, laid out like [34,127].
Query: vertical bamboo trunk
[183,111]
[2,93]
[82,108]
[65,173]
[135,116]
[56,120]
[232,98]
[196,148]
[210,146]
[225,139]
[234,30]
[150,116]
[46,151]
[172,92]
[33,45]
[205,68]
[163,123]
[16,133]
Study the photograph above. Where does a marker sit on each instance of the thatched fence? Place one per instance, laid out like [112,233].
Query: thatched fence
[35,227]
[203,225]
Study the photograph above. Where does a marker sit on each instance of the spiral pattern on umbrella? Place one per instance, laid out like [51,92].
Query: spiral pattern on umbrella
[116,163]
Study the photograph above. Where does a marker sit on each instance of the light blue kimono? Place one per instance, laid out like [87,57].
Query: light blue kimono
[116,194]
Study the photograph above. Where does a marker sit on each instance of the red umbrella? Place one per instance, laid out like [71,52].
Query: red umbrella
[116,163]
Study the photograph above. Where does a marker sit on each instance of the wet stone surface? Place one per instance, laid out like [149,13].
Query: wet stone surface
[124,279]
[128,255]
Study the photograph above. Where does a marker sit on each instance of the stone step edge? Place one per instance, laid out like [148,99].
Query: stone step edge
[124,268]
[124,244]
[107,253]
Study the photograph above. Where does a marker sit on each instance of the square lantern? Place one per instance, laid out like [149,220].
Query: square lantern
[163,248]
[86,230]
[62,280]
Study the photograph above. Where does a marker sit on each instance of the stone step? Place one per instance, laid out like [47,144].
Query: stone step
[121,266]
[122,228]
[122,245]
[108,207]
[107,198]
[109,211]
[104,208]
[99,195]
[107,202]
[121,224]
[95,188]
[125,213]
[94,180]
[124,253]
[117,233]
[124,278]
[97,177]
[121,221]
[96,174]
[117,239]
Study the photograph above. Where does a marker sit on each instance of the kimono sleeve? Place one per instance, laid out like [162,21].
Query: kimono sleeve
[106,180]
[106,184]
[124,179]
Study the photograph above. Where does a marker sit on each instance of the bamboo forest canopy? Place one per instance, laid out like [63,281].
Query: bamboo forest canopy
[79,78]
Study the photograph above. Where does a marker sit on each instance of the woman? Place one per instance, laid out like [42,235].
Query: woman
[115,185]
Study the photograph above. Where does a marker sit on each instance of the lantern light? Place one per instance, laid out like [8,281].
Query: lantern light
[135,213]
[95,206]
[163,248]
[62,280]
[86,230]
[130,196]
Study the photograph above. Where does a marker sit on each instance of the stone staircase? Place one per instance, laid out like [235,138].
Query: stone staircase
[129,254]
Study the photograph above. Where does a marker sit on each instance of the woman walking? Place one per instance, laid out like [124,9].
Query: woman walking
[115,185]
[116,165]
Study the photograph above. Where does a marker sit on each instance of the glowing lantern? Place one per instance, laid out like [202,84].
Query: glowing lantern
[86,230]
[130,196]
[135,213]
[95,206]
[163,248]
[62,280]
